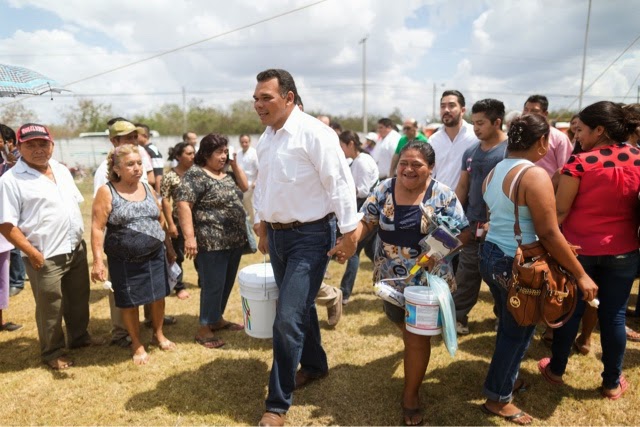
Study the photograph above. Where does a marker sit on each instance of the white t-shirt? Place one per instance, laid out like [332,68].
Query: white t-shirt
[449,153]
[383,153]
[249,164]
[365,174]
[304,175]
[46,212]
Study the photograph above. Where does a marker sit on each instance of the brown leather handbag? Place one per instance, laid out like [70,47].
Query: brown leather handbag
[540,289]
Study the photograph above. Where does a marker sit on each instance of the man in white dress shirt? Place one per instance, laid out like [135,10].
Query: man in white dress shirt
[247,158]
[451,140]
[304,179]
[386,147]
[39,214]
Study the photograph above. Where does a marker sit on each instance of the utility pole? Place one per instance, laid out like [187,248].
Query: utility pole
[638,96]
[184,110]
[363,42]
[584,56]
[433,117]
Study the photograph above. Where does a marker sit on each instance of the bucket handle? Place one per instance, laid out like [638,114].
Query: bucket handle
[264,262]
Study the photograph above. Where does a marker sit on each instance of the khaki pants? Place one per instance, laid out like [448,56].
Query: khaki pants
[328,296]
[61,290]
[247,202]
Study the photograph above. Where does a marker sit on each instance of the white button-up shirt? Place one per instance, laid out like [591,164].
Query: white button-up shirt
[449,153]
[46,212]
[365,174]
[383,152]
[249,164]
[304,175]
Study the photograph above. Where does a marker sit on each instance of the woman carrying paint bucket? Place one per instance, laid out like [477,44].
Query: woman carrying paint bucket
[395,206]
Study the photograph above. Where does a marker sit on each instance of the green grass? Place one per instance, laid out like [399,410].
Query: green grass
[196,386]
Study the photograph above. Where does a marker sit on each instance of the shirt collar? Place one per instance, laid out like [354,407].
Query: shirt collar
[22,167]
[293,122]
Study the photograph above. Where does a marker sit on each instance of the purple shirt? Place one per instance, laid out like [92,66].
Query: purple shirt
[560,149]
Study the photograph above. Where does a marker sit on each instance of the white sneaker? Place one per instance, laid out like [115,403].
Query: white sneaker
[462,329]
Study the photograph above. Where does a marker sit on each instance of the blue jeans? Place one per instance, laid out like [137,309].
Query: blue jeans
[17,272]
[178,247]
[218,272]
[299,260]
[351,271]
[614,275]
[512,340]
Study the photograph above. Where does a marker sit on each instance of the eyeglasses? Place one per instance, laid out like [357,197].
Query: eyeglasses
[406,128]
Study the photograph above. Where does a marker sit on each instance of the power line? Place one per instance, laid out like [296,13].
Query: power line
[606,69]
[167,52]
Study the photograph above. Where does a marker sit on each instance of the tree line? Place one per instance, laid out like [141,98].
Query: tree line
[87,115]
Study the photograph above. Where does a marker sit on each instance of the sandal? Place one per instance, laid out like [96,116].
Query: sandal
[141,359]
[624,385]
[228,326]
[632,335]
[165,345]
[543,366]
[10,327]
[412,417]
[516,418]
[210,342]
[59,364]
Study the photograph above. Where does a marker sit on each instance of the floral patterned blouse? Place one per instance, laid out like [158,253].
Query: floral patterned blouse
[218,214]
[170,182]
[402,227]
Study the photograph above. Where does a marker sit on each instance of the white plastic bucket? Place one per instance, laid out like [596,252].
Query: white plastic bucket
[422,311]
[259,294]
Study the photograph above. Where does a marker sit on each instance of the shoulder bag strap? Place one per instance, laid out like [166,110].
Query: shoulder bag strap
[513,191]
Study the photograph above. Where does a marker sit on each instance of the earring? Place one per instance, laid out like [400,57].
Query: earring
[544,152]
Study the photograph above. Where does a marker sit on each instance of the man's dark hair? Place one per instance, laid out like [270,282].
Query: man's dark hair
[492,108]
[335,126]
[116,119]
[455,93]
[298,101]
[285,80]
[186,135]
[539,99]
[7,133]
[145,127]
[386,122]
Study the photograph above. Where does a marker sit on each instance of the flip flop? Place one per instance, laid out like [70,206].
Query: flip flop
[59,363]
[624,385]
[210,342]
[229,326]
[511,418]
[632,335]
[140,359]
[409,414]
[543,366]
[165,345]
[10,327]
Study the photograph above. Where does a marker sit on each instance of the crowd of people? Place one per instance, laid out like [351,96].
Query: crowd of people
[311,191]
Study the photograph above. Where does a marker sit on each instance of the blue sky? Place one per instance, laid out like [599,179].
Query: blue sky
[504,49]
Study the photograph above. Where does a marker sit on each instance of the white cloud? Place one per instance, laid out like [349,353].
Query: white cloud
[492,48]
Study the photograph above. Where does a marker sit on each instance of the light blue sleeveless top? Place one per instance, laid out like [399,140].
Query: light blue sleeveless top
[501,208]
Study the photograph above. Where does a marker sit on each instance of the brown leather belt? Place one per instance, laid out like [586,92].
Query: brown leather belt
[296,224]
